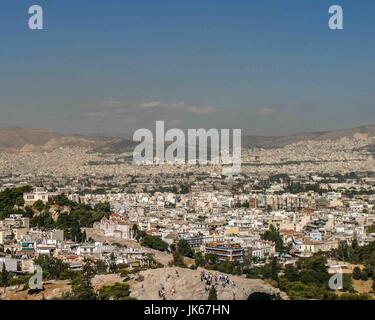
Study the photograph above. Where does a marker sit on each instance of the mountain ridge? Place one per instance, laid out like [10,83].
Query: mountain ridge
[30,139]
[365,131]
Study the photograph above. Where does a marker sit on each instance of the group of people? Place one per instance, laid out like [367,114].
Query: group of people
[211,280]
[207,277]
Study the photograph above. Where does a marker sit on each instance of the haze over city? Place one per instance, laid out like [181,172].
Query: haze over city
[270,68]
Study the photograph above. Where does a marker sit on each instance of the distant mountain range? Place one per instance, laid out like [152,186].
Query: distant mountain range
[273,142]
[27,140]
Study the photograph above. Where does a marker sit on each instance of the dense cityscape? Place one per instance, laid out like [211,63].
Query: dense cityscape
[101,227]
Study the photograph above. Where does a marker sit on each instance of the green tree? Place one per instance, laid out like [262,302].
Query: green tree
[357,273]
[9,198]
[184,189]
[103,207]
[347,283]
[43,221]
[370,271]
[178,259]
[101,267]
[89,268]
[354,244]
[228,267]
[184,248]
[212,295]
[119,291]
[20,202]
[354,296]
[136,232]
[61,200]
[71,226]
[154,243]
[28,212]
[211,259]
[273,235]
[5,276]
[53,268]
[364,276]
[342,252]
[274,270]
[82,288]
[291,273]
[199,259]
[112,263]
[314,270]
[38,205]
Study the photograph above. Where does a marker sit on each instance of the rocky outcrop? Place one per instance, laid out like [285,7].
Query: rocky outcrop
[186,284]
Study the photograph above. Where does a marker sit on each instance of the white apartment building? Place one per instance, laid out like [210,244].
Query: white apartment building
[38,194]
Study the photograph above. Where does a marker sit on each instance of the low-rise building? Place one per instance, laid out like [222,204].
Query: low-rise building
[225,251]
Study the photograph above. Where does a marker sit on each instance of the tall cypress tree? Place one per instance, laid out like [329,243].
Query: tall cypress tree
[212,295]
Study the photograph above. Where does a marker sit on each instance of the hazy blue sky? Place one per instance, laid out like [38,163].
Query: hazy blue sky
[112,66]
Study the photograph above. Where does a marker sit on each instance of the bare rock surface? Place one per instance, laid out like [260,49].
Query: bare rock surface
[186,284]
